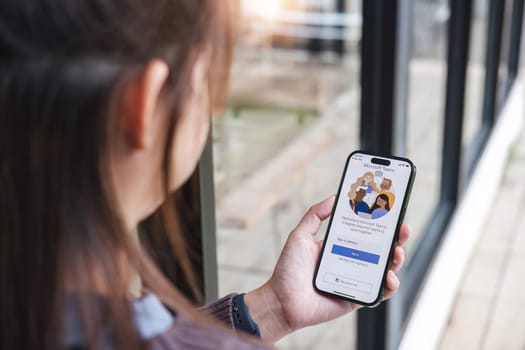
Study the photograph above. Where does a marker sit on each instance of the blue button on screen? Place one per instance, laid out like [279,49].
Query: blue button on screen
[355,254]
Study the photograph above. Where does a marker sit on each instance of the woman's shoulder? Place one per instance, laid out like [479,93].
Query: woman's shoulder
[185,334]
[160,329]
[163,331]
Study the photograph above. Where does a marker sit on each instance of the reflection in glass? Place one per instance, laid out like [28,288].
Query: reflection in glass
[503,74]
[425,110]
[281,144]
[475,78]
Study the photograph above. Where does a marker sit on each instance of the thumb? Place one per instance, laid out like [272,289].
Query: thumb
[311,221]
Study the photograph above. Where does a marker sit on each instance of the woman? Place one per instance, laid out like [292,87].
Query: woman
[365,182]
[381,206]
[104,110]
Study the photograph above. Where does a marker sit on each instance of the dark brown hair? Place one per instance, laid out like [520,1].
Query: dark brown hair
[62,64]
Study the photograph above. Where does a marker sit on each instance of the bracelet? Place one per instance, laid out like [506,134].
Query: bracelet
[241,317]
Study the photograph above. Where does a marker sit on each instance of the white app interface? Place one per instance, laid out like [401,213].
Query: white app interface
[363,227]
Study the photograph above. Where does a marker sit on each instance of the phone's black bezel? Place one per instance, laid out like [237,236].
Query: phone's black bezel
[395,237]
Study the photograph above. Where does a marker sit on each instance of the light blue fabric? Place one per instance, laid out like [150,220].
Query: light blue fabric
[151,317]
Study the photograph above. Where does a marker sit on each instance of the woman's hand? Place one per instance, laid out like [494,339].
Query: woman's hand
[288,301]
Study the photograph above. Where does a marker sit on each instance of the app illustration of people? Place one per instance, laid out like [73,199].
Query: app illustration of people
[385,188]
[358,204]
[371,196]
[365,182]
[380,207]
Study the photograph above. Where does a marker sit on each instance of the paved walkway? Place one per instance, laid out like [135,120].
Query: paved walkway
[489,308]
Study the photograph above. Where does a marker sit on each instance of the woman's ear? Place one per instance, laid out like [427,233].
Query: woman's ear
[140,104]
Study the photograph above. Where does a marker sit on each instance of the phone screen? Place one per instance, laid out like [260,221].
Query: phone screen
[360,236]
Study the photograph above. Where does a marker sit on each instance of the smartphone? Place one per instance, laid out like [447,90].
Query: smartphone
[364,227]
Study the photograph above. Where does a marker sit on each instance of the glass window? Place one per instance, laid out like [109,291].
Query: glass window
[292,119]
[503,74]
[475,80]
[426,101]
